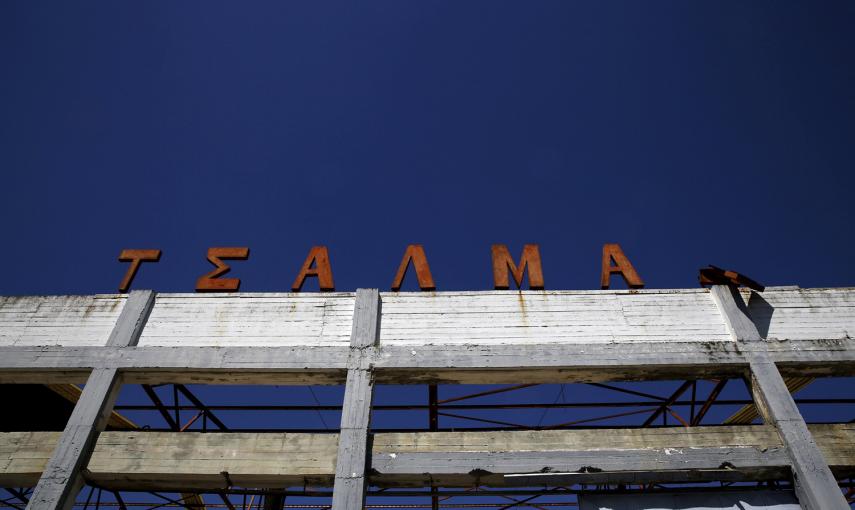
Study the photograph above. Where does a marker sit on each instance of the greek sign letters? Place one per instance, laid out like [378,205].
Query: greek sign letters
[317,265]
[211,282]
[414,253]
[135,257]
[503,264]
[623,267]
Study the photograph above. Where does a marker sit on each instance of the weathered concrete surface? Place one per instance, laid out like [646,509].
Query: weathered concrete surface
[165,460]
[62,478]
[350,473]
[814,482]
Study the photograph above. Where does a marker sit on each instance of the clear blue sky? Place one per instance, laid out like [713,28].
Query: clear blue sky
[691,133]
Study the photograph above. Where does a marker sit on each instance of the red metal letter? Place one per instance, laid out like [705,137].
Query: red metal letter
[502,263]
[416,254]
[622,266]
[713,275]
[135,257]
[211,282]
[318,256]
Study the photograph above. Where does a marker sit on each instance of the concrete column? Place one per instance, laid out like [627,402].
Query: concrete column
[353,445]
[61,479]
[815,485]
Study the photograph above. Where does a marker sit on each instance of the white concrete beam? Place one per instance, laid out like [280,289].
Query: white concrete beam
[138,460]
[352,461]
[61,479]
[815,485]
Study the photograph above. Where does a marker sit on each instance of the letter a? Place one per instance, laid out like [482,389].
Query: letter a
[622,266]
[502,263]
[416,254]
[320,258]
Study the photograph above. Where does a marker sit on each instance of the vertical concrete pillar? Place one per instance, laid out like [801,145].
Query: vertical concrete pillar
[61,480]
[353,444]
[816,487]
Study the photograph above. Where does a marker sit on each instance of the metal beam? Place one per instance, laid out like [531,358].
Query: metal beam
[668,403]
[352,460]
[714,393]
[815,485]
[433,424]
[274,501]
[198,403]
[152,395]
[62,479]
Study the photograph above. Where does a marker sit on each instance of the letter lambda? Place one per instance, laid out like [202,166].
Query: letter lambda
[415,253]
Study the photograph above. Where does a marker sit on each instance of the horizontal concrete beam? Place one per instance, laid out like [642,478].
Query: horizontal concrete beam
[469,363]
[454,337]
[556,362]
[152,365]
[189,460]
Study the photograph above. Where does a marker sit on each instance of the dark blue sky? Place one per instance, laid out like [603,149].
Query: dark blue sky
[689,132]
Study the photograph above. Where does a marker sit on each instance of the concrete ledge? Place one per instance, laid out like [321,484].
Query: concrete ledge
[192,460]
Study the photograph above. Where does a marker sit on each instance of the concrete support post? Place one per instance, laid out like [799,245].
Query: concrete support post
[61,479]
[353,444]
[815,485]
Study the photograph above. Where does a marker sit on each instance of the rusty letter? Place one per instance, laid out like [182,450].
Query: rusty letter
[502,263]
[318,256]
[622,265]
[135,257]
[211,282]
[713,275]
[416,254]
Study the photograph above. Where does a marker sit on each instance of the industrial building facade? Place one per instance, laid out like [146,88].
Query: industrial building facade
[776,340]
